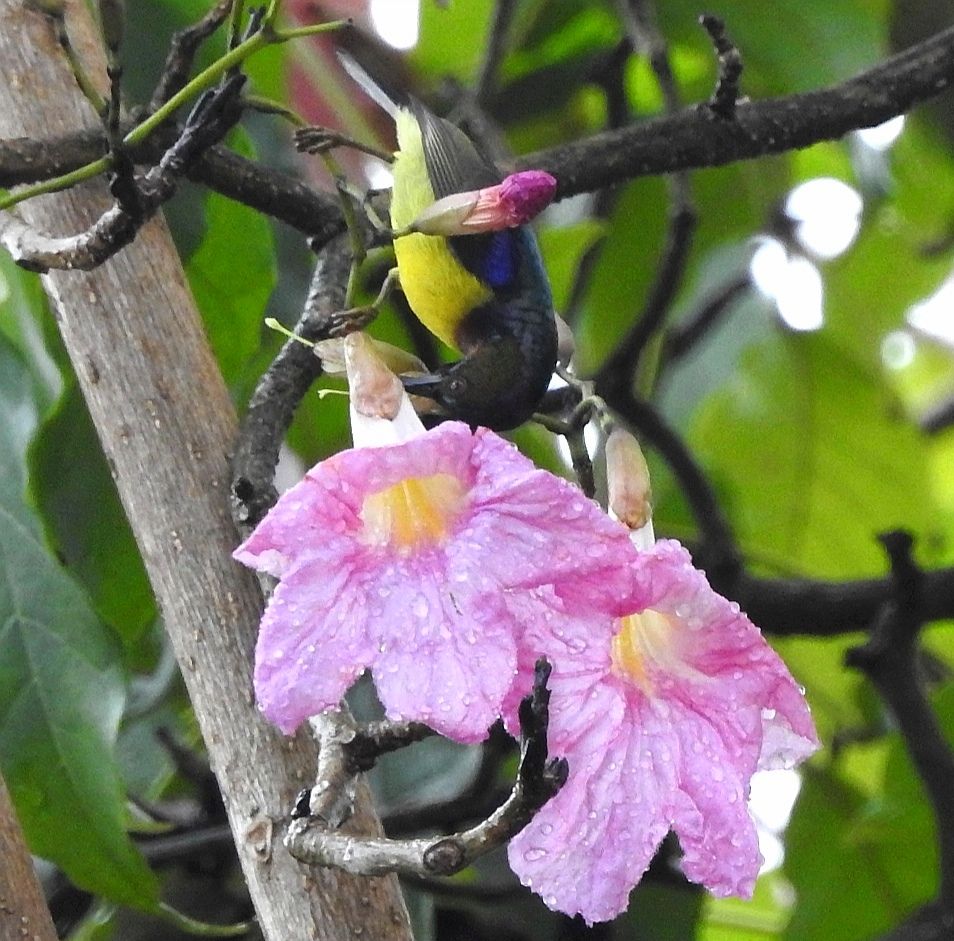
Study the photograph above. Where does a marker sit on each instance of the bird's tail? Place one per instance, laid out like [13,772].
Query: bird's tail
[371,88]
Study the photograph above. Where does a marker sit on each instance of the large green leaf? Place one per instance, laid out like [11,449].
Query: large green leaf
[61,697]
[84,520]
[841,884]
[843,36]
[61,690]
[835,462]
[438,57]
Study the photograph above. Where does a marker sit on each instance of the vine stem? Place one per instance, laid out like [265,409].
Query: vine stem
[266,36]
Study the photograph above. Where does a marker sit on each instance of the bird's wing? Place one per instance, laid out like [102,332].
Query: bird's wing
[454,165]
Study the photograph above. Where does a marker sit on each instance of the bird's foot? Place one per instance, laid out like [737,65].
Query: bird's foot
[343,322]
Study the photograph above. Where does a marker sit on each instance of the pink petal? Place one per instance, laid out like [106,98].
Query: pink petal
[710,813]
[736,679]
[318,516]
[587,848]
[672,748]
[536,529]
[446,655]
[314,643]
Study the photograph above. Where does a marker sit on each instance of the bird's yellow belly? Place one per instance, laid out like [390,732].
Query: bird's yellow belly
[439,289]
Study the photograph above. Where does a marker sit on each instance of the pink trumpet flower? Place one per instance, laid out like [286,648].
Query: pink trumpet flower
[397,556]
[664,715]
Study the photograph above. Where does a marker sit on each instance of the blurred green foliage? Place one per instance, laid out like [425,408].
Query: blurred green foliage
[810,438]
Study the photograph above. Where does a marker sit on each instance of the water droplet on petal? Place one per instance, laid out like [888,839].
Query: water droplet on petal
[534,853]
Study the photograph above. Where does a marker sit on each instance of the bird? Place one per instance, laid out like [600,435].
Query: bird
[485,295]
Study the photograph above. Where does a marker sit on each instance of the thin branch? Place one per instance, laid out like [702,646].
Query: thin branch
[282,387]
[316,840]
[683,337]
[182,49]
[890,660]
[695,138]
[495,50]
[617,371]
[212,117]
[639,18]
[726,94]
[374,739]
[168,848]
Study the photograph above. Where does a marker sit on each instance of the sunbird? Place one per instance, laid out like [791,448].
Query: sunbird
[487,294]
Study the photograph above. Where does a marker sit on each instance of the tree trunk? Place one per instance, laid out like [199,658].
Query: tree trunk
[166,424]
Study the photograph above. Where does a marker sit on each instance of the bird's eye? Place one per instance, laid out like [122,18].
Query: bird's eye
[456,386]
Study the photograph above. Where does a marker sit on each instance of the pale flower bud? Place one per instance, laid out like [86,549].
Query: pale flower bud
[512,202]
[331,352]
[627,478]
[375,391]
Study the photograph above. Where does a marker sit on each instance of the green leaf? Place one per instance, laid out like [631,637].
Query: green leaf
[84,521]
[840,885]
[232,274]
[61,697]
[434,55]
[61,687]
[836,462]
[23,308]
[18,418]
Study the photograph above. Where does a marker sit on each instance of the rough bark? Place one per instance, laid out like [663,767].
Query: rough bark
[23,911]
[166,424]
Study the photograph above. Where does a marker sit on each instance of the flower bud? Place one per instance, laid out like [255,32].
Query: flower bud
[375,391]
[627,478]
[512,202]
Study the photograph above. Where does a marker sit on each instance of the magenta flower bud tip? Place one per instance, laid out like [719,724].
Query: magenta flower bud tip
[526,194]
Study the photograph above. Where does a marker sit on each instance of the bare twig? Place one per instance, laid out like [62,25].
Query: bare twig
[373,739]
[182,49]
[211,118]
[281,388]
[726,94]
[683,337]
[314,841]
[890,660]
[640,21]
[494,51]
